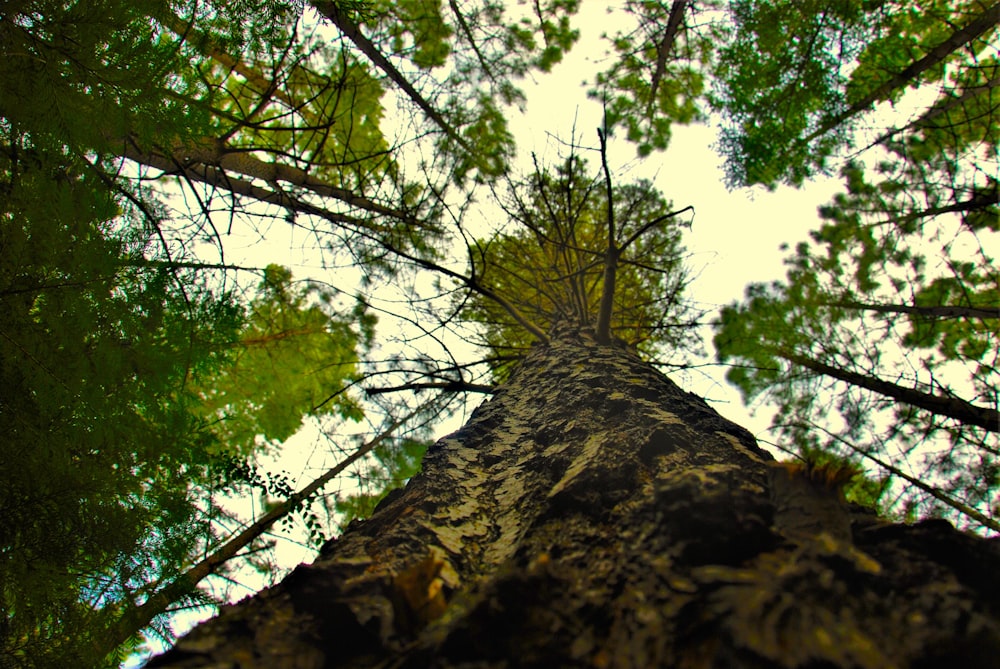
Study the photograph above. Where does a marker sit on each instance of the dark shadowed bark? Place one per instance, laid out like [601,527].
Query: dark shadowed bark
[593,514]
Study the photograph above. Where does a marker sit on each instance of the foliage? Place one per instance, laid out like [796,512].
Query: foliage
[660,73]
[550,263]
[475,53]
[795,78]
[96,349]
[871,297]
[290,360]
[779,75]
[94,338]
[109,330]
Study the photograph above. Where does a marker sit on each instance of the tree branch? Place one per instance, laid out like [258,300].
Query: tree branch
[663,49]
[448,386]
[656,221]
[960,410]
[611,255]
[932,311]
[937,110]
[136,619]
[213,154]
[352,31]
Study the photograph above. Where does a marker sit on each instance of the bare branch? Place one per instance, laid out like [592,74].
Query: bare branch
[612,253]
[352,31]
[656,221]
[447,386]
[663,49]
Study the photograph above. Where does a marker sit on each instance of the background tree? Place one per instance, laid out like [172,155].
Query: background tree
[111,326]
[93,337]
[136,351]
[893,307]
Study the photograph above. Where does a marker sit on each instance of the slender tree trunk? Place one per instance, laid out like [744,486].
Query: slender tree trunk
[663,49]
[593,514]
[980,25]
[132,621]
[952,407]
[935,311]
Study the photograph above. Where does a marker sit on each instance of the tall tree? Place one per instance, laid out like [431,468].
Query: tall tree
[551,260]
[589,480]
[93,339]
[119,334]
[592,512]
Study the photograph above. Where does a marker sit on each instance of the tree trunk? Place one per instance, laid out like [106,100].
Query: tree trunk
[593,514]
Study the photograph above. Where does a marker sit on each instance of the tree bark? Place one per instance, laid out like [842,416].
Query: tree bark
[591,513]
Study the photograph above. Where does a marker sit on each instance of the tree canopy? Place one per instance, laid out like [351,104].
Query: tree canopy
[552,264]
[148,375]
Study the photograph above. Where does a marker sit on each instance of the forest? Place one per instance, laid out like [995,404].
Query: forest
[284,281]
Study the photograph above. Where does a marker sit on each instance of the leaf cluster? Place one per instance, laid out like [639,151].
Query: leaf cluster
[550,262]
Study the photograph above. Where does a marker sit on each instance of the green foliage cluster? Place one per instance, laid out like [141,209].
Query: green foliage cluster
[92,338]
[781,73]
[659,77]
[111,341]
[550,265]
[475,53]
[64,65]
[795,78]
[290,359]
[892,309]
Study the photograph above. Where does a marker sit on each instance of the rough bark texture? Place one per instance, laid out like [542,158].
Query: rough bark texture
[593,514]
